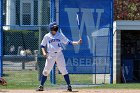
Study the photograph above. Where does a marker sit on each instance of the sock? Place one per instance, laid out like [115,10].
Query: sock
[66,77]
[43,79]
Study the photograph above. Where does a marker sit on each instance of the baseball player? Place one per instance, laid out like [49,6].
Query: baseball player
[53,40]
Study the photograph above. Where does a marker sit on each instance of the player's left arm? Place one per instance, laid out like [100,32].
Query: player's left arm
[76,42]
[65,40]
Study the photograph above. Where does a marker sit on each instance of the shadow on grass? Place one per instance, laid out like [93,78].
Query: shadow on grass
[5,75]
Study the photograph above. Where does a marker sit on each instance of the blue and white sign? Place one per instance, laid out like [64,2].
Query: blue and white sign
[90,20]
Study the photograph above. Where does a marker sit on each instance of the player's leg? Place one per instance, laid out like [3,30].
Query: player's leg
[48,67]
[62,68]
[67,79]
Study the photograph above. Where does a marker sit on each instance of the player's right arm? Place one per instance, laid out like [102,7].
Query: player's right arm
[43,46]
[44,52]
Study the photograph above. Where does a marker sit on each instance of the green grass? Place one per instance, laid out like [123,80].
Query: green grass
[75,79]
[21,79]
[29,80]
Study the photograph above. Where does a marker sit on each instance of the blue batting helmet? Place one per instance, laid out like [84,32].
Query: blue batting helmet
[53,25]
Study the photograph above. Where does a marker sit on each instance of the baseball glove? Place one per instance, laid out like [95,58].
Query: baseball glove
[3,82]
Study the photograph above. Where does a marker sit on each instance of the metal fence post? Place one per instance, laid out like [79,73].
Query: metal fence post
[111,44]
[40,28]
[23,65]
[1,38]
[53,76]
[52,18]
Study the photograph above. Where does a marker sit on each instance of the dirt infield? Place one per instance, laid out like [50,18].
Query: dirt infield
[75,91]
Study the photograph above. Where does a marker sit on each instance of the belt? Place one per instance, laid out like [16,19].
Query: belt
[54,52]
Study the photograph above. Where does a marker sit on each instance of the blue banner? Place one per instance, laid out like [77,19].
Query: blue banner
[90,20]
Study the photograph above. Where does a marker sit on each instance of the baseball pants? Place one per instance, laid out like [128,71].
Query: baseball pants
[57,57]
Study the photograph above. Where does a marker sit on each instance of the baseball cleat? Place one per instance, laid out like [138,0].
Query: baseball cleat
[69,89]
[40,88]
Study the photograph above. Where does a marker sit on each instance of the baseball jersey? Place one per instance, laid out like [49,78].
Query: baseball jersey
[54,42]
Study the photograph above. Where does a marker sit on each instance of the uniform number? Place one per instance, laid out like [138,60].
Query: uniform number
[59,45]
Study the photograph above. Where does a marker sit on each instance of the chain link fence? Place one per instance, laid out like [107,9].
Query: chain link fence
[25,24]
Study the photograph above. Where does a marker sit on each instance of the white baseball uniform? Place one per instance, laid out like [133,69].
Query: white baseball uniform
[55,54]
